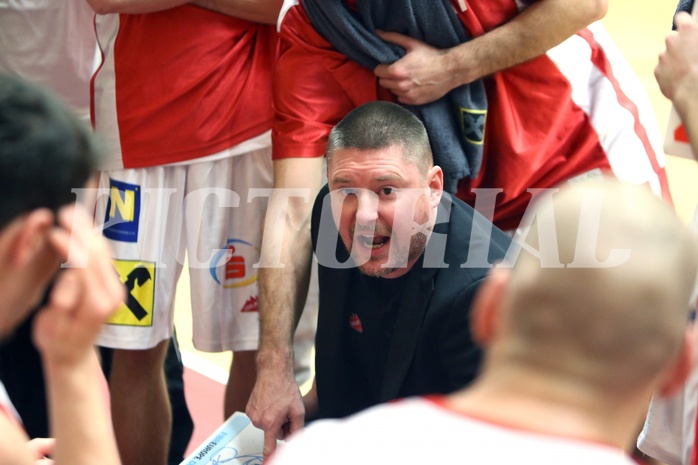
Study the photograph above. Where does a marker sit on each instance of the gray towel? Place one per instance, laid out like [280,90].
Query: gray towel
[456,122]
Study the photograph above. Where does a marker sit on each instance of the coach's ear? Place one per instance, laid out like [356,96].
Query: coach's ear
[435,179]
[681,368]
[487,304]
[29,235]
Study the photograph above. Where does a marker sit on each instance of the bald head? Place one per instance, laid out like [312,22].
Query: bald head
[611,308]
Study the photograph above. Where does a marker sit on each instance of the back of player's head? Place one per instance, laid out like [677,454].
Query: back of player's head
[45,150]
[379,125]
[614,311]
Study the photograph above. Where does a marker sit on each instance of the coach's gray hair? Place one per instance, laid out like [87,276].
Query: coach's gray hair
[379,125]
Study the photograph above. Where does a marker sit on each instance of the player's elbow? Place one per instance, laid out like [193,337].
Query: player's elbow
[597,9]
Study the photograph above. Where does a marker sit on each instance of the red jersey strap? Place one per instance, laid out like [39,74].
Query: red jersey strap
[7,408]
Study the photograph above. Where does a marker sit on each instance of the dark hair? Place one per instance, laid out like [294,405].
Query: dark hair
[45,150]
[378,125]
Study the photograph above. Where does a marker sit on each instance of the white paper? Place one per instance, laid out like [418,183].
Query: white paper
[235,442]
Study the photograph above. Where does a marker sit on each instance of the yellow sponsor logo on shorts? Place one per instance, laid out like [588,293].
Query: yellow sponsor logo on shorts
[139,279]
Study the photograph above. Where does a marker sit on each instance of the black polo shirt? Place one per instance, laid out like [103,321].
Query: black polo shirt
[374,303]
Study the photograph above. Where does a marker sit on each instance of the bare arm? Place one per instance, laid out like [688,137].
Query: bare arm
[261,11]
[11,435]
[677,74]
[425,73]
[275,404]
[310,402]
[104,7]
[64,331]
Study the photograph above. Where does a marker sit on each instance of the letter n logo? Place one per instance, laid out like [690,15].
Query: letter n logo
[123,212]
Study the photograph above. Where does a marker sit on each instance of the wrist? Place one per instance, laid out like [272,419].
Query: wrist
[684,99]
[54,362]
[274,362]
[459,66]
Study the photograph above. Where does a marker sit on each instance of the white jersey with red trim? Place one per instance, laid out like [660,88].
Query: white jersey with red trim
[606,88]
[669,432]
[180,84]
[50,42]
[6,406]
[421,430]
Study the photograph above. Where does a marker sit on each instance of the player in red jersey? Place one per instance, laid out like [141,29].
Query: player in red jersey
[562,104]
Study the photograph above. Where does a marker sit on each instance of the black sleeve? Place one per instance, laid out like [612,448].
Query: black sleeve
[460,355]
[317,213]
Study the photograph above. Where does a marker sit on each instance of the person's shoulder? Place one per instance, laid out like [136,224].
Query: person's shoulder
[470,233]
[348,440]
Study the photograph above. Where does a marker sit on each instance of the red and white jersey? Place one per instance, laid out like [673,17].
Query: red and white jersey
[6,406]
[180,84]
[50,42]
[670,433]
[421,430]
[577,111]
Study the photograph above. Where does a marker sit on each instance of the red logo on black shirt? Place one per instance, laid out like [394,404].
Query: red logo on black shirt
[355,323]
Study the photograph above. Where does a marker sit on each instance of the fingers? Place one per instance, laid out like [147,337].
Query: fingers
[396,38]
[382,71]
[683,20]
[72,234]
[296,424]
[66,292]
[91,272]
[41,447]
[269,443]
[85,293]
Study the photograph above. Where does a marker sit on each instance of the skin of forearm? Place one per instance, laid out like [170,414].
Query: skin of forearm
[310,403]
[282,290]
[533,32]
[79,414]
[260,11]
[281,306]
[104,7]
[689,118]
[11,437]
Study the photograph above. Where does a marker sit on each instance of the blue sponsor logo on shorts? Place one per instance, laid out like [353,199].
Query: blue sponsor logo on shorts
[123,211]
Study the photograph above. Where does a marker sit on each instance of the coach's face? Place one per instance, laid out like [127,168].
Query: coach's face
[384,207]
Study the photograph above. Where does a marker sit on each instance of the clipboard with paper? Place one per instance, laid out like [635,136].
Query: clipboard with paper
[235,442]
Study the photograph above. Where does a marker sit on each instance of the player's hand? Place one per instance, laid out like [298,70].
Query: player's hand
[83,296]
[419,77]
[677,70]
[41,449]
[276,407]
